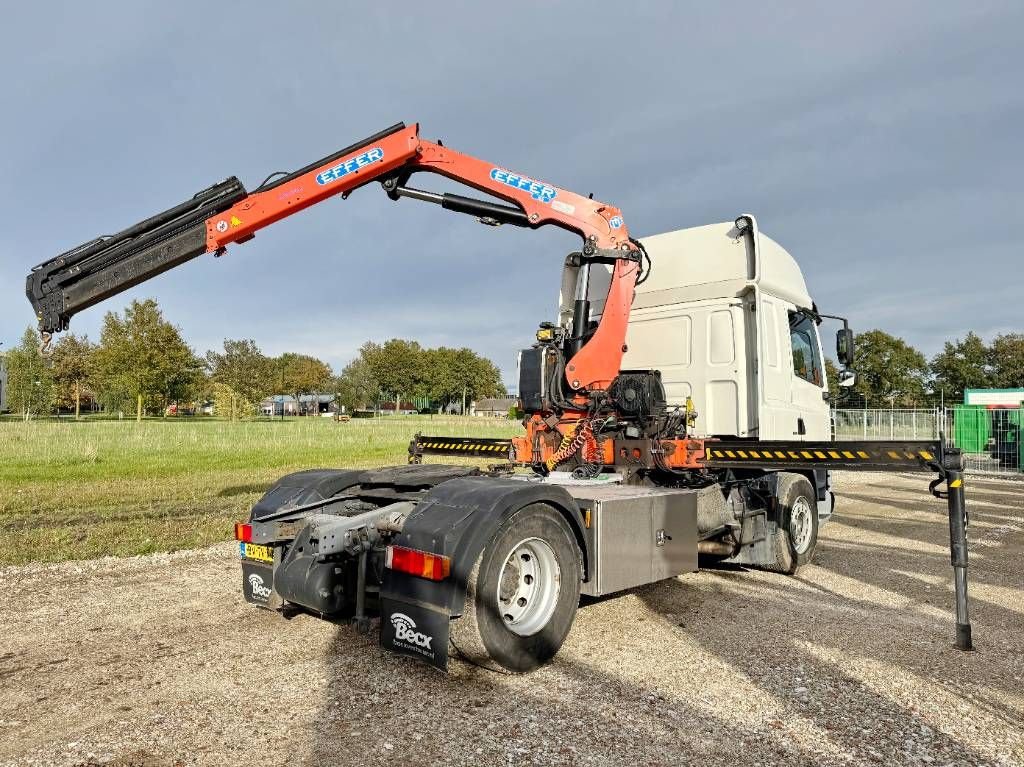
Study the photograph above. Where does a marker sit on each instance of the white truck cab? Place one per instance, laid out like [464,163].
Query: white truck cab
[726,317]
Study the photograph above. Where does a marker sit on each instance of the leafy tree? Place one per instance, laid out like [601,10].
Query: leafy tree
[143,357]
[404,370]
[832,375]
[454,373]
[356,387]
[243,368]
[889,370]
[73,370]
[961,365]
[29,381]
[398,366]
[1006,360]
[227,403]
[302,374]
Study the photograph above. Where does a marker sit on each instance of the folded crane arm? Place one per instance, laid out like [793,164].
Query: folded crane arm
[225,214]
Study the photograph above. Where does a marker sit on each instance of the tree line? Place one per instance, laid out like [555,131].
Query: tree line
[143,365]
[892,373]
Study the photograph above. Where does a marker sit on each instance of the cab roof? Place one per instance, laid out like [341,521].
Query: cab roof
[716,261]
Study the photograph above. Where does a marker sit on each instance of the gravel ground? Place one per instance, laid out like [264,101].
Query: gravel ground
[156,661]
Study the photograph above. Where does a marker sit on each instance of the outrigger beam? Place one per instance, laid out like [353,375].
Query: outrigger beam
[871,456]
[737,455]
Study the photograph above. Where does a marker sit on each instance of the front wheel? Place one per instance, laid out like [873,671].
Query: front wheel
[522,593]
[796,533]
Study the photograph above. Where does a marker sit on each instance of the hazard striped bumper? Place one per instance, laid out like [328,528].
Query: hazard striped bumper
[864,456]
[421,445]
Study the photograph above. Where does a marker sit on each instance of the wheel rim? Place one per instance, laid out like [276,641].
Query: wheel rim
[800,525]
[528,587]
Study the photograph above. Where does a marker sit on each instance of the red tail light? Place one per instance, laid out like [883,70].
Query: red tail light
[243,532]
[434,567]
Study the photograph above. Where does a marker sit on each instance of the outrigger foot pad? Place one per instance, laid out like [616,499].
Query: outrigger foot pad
[963,637]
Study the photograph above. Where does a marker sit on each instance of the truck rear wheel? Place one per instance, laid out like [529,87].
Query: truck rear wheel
[522,593]
[796,532]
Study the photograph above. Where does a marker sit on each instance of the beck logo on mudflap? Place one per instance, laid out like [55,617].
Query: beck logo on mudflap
[417,630]
[405,631]
[258,588]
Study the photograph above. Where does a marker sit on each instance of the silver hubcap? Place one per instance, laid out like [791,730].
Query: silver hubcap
[800,525]
[528,587]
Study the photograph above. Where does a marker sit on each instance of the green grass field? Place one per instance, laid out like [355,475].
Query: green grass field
[76,490]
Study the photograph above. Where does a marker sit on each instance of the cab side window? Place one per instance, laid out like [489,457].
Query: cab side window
[803,337]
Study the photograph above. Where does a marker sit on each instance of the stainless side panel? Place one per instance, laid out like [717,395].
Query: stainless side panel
[638,535]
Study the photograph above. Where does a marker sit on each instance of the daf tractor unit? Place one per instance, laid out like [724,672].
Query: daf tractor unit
[675,406]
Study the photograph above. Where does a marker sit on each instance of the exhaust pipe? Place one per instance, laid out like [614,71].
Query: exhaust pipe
[717,548]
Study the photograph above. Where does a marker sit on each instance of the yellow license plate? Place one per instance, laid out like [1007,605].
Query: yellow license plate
[257,552]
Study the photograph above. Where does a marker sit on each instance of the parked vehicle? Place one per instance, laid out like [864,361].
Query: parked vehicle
[677,406]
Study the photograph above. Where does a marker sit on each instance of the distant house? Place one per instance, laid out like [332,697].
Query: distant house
[280,405]
[317,404]
[494,407]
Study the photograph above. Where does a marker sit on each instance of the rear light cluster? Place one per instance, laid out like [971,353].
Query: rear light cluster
[423,564]
[434,567]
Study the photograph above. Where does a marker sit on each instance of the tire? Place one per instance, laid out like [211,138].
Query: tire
[522,594]
[796,531]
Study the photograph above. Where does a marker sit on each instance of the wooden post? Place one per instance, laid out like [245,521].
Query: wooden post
[138,409]
[78,400]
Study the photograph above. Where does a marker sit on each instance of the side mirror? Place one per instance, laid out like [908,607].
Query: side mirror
[847,378]
[844,347]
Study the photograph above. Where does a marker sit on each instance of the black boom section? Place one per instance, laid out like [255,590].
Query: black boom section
[100,268]
[864,456]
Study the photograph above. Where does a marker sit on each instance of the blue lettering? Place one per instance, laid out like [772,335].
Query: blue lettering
[537,190]
[348,166]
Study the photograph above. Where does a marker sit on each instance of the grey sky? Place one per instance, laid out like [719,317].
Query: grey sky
[880,144]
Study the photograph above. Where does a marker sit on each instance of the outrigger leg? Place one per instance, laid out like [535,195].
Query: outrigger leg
[951,471]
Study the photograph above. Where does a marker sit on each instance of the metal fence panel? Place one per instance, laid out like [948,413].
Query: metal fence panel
[888,424]
[991,439]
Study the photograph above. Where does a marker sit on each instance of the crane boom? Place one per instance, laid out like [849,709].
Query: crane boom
[226,214]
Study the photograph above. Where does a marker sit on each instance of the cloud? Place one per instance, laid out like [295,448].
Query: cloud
[879,146]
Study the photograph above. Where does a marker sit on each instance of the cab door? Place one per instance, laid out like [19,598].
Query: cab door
[810,408]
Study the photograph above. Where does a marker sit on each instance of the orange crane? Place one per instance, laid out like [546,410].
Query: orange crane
[492,562]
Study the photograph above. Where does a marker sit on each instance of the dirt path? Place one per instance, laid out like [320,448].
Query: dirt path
[156,661]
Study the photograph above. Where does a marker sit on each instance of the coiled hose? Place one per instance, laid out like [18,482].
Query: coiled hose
[584,439]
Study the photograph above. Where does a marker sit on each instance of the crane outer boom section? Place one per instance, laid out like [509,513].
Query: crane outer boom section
[335,175]
[542,203]
[225,214]
[396,157]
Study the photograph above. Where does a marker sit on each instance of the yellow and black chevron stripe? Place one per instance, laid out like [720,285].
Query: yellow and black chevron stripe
[847,455]
[461,446]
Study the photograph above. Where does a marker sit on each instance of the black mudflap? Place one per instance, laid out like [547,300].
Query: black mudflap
[258,584]
[418,631]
